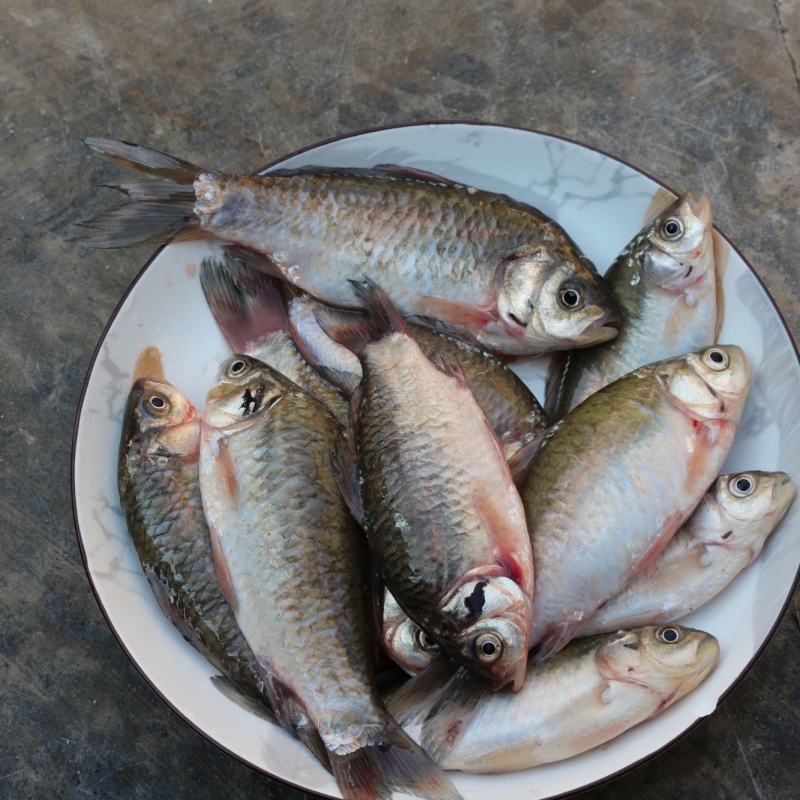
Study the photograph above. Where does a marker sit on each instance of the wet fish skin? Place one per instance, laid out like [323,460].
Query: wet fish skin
[510,407]
[501,268]
[665,281]
[294,566]
[404,641]
[249,308]
[616,477]
[724,535]
[438,501]
[580,698]
[159,491]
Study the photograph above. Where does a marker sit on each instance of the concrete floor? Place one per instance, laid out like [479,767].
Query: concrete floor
[704,95]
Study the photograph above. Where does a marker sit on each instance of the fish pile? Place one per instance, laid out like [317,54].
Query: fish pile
[371,489]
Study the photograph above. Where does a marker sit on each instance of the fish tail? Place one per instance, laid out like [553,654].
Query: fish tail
[394,765]
[161,206]
[382,319]
[247,304]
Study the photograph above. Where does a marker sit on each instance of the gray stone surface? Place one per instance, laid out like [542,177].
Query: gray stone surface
[704,95]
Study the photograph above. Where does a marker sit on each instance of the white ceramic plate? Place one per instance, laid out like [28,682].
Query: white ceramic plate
[602,204]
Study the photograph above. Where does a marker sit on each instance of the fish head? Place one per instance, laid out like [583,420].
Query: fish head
[245,387]
[408,645]
[711,383]
[551,298]
[488,624]
[668,659]
[749,506]
[677,248]
[160,419]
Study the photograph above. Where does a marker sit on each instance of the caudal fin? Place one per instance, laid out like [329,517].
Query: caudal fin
[246,303]
[395,765]
[162,205]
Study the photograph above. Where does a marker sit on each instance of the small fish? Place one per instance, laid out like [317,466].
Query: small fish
[666,283]
[493,265]
[619,474]
[428,478]
[159,490]
[508,404]
[580,698]
[724,535]
[293,565]
[249,308]
[404,641]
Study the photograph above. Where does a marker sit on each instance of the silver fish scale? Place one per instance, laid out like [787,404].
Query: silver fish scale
[419,501]
[297,561]
[161,497]
[280,352]
[403,233]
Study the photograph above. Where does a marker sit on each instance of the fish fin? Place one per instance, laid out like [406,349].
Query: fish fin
[157,214]
[438,702]
[449,331]
[251,704]
[659,543]
[462,315]
[558,636]
[345,462]
[346,382]
[557,371]
[380,171]
[448,364]
[291,714]
[161,591]
[394,765]
[247,304]
[521,459]
[722,251]
[382,318]
[324,315]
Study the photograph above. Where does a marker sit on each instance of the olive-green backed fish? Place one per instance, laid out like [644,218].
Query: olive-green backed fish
[160,494]
[724,535]
[580,698]
[248,306]
[437,499]
[619,474]
[493,265]
[509,405]
[293,564]
[666,283]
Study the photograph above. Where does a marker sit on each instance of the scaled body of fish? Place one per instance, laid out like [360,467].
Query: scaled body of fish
[666,283]
[724,535]
[294,566]
[159,490]
[493,265]
[617,476]
[508,404]
[438,502]
[249,308]
[580,698]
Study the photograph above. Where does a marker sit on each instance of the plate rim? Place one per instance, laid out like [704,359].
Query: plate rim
[274,163]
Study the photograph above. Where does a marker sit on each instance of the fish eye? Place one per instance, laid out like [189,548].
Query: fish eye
[716,359]
[672,228]
[488,648]
[741,485]
[425,641]
[668,635]
[570,297]
[156,404]
[236,368]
